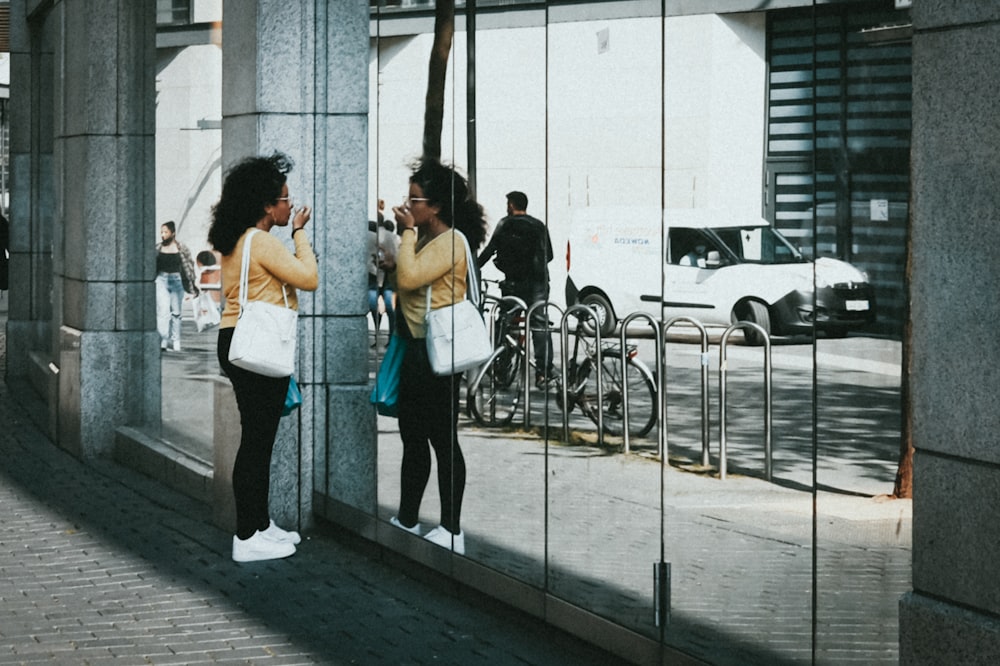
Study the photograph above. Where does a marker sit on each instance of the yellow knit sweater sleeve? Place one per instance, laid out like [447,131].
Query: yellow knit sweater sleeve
[440,263]
[271,266]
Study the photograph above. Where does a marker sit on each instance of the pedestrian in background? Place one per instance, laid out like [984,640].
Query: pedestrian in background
[210,275]
[438,210]
[175,276]
[383,245]
[523,251]
[255,196]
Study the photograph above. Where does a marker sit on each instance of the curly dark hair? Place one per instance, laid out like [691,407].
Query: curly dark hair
[447,189]
[250,185]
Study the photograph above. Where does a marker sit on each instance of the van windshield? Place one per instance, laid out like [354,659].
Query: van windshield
[759,245]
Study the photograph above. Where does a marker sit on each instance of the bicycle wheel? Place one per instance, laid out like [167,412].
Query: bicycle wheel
[641,397]
[494,395]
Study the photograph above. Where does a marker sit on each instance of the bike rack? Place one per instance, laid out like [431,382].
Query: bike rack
[661,401]
[529,342]
[705,438]
[564,355]
[744,325]
[496,303]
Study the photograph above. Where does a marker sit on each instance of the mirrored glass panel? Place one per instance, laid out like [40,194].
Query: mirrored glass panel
[188,183]
[860,206]
[737,521]
[605,193]
[742,179]
[503,507]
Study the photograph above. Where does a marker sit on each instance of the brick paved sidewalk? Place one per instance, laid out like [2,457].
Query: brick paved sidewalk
[99,565]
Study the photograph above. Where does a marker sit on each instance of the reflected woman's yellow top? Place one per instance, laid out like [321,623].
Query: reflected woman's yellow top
[439,262]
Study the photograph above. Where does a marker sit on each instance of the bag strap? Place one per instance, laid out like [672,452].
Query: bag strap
[245,273]
[471,283]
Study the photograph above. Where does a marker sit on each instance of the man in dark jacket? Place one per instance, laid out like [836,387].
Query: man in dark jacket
[523,250]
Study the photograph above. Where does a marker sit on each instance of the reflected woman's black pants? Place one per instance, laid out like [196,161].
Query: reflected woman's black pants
[428,415]
[261,400]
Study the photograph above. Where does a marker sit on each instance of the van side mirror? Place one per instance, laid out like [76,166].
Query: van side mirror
[713,260]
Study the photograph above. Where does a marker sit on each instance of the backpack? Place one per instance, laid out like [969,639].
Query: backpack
[521,248]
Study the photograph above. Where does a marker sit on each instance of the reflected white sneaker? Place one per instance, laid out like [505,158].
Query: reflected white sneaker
[278,534]
[412,530]
[260,547]
[177,345]
[446,539]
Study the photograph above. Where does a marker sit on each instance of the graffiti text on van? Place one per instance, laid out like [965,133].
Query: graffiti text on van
[625,240]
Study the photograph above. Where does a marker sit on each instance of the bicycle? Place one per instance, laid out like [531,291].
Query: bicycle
[495,392]
[638,378]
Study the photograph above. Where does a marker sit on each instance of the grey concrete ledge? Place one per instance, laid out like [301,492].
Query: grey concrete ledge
[156,458]
[395,544]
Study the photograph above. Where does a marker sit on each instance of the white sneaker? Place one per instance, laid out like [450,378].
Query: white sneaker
[177,345]
[260,547]
[278,534]
[412,530]
[446,539]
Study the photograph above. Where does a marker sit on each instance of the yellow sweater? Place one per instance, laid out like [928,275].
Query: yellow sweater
[439,262]
[271,265]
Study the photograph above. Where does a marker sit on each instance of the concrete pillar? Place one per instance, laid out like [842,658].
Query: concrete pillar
[81,222]
[295,79]
[109,366]
[951,616]
[32,201]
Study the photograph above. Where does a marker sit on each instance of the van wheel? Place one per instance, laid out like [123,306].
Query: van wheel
[754,312]
[605,315]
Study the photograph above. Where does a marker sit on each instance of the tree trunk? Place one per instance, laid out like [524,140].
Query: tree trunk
[444,33]
[903,488]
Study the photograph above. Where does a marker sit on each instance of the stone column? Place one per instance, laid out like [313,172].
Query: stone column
[951,616]
[295,79]
[32,202]
[102,228]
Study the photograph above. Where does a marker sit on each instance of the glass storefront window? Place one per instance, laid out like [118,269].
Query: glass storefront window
[635,135]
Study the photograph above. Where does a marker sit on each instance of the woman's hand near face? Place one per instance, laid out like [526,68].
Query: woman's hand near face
[404,217]
[302,216]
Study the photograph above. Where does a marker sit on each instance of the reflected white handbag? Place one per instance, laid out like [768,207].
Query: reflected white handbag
[206,311]
[265,335]
[457,338]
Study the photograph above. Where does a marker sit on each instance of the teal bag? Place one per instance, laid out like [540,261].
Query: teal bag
[385,393]
[293,399]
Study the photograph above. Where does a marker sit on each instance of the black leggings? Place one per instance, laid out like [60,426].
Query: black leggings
[428,414]
[261,400]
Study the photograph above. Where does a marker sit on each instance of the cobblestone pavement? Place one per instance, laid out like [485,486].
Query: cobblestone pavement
[741,551]
[101,566]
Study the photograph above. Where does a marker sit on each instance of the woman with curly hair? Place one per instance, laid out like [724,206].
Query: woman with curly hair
[438,212]
[255,197]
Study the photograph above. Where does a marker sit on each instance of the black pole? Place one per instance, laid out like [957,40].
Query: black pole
[470,85]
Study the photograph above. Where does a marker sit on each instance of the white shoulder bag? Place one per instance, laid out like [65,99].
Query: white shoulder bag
[265,335]
[456,334]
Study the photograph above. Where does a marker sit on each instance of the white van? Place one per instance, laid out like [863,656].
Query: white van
[715,269]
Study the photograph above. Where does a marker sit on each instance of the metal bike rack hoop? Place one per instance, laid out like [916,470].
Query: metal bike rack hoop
[529,343]
[564,355]
[705,435]
[661,401]
[744,325]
